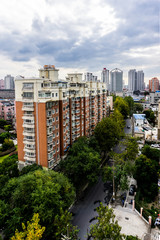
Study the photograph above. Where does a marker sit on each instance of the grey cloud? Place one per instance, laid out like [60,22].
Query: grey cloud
[137,31]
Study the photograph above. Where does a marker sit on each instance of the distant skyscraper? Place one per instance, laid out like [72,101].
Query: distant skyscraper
[105,77]
[88,77]
[135,80]
[9,82]
[140,80]
[1,84]
[116,80]
[153,84]
[132,80]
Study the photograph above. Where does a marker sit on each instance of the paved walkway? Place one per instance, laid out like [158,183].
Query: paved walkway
[130,222]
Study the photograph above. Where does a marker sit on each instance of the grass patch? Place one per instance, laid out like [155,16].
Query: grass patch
[3,158]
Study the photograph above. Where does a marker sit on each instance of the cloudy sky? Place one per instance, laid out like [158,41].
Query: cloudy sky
[79,35]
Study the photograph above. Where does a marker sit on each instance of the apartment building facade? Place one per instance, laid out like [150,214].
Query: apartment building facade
[153,84]
[7,111]
[53,113]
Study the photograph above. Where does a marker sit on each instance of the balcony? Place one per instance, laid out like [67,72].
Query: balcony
[27,108]
[28,141]
[30,158]
[28,116]
[30,134]
[28,124]
[31,150]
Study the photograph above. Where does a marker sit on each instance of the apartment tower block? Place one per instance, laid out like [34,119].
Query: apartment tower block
[53,113]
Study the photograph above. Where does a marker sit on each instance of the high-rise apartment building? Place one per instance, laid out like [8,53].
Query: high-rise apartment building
[135,80]
[116,80]
[1,84]
[153,84]
[140,80]
[90,77]
[53,113]
[105,77]
[132,80]
[9,82]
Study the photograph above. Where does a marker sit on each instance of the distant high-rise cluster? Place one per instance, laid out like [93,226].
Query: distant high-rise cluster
[135,80]
[153,84]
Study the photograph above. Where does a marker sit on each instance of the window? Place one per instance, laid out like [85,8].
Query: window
[52,94]
[57,149]
[53,135]
[56,94]
[57,134]
[27,85]
[56,118]
[56,110]
[56,125]
[28,95]
[53,111]
[53,119]
[57,141]
[64,137]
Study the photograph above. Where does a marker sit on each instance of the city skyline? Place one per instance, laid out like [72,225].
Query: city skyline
[80,37]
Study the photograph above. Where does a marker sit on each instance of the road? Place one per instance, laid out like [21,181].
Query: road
[84,210]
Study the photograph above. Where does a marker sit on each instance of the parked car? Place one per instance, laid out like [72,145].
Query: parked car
[132,189]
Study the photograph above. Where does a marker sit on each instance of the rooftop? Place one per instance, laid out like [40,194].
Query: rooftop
[139,116]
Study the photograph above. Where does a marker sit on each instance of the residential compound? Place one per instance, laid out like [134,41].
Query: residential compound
[53,113]
[7,111]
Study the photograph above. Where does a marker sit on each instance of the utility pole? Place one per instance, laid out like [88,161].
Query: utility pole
[114,195]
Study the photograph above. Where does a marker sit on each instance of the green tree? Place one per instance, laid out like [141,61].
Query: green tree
[7,128]
[2,123]
[130,103]
[43,192]
[122,106]
[63,225]
[151,153]
[131,148]
[30,168]
[150,116]
[138,107]
[33,231]
[4,136]
[147,178]
[106,227]
[119,119]
[107,133]
[82,164]
[8,170]
[7,144]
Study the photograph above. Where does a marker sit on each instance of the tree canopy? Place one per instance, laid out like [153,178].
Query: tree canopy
[106,227]
[33,231]
[122,106]
[82,164]
[146,175]
[109,131]
[43,192]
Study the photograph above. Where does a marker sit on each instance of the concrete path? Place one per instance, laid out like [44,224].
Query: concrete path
[130,222]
